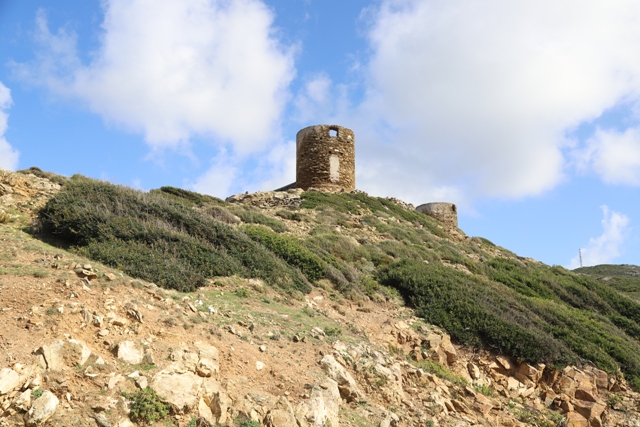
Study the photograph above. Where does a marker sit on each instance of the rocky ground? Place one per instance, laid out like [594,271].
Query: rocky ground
[82,344]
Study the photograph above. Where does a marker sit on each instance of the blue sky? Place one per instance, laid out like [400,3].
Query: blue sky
[525,114]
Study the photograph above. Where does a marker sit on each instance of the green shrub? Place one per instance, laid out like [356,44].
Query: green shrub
[242,293]
[153,237]
[333,331]
[442,372]
[146,407]
[290,250]
[483,389]
[614,400]
[523,313]
[360,203]
[290,215]
[252,216]
[190,196]
[337,245]
[223,215]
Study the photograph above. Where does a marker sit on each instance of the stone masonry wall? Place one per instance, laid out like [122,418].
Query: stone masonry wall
[445,212]
[325,158]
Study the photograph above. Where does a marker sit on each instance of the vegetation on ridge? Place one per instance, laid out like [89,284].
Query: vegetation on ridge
[157,238]
[365,246]
[624,278]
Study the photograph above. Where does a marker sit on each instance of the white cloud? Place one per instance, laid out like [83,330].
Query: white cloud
[608,246]
[277,168]
[264,171]
[314,98]
[172,70]
[220,178]
[8,155]
[478,97]
[613,155]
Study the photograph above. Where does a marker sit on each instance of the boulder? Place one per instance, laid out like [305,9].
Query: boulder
[23,402]
[42,409]
[322,407]
[180,390]
[130,352]
[530,372]
[205,412]
[587,395]
[573,419]
[65,353]
[589,410]
[392,388]
[281,415]
[217,400]
[504,362]
[9,380]
[474,371]
[449,350]
[207,364]
[565,385]
[346,384]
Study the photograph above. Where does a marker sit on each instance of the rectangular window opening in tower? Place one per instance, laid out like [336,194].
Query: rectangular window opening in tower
[333,133]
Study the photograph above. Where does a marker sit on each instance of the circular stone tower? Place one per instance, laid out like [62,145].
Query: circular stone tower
[325,158]
[444,212]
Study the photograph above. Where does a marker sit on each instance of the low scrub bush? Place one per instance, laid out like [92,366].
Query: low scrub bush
[223,215]
[153,237]
[251,216]
[360,203]
[146,407]
[290,215]
[442,372]
[190,196]
[337,245]
[290,250]
[521,314]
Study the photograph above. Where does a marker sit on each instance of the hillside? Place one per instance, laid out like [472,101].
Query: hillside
[291,308]
[624,278]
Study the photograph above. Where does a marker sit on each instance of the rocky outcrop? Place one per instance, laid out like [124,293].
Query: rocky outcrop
[25,191]
[441,384]
[269,199]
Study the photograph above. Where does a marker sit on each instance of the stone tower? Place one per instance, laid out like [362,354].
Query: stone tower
[325,158]
[444,212]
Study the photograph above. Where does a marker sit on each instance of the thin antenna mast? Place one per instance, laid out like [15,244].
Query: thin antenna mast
[580,252]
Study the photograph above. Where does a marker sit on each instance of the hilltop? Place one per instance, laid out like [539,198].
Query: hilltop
[292,308]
